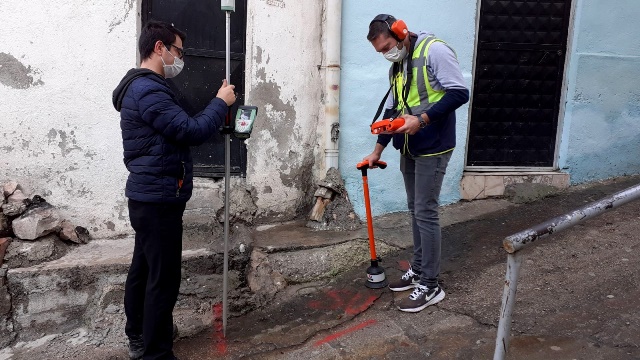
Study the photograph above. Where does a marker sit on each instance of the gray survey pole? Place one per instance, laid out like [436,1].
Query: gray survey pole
[228,6]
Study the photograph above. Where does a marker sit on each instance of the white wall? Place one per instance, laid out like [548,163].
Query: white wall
[59,133]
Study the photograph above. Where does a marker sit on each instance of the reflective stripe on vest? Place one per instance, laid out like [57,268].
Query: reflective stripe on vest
[421,95]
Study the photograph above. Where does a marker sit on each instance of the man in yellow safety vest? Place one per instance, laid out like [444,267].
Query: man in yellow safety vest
[427,87]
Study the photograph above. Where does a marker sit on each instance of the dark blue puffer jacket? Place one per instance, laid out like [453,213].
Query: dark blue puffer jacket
[156,136]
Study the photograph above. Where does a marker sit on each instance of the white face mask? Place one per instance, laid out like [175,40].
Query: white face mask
[395,55]
[174,69]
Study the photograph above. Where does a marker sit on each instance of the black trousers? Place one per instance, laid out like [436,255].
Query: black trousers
[153,282]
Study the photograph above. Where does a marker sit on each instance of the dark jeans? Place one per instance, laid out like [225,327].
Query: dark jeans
[153,282]
[423,181]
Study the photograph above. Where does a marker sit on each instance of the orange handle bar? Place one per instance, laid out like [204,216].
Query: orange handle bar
[386,125]
[364,165]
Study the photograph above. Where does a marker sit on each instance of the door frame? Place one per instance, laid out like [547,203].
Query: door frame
[561,108]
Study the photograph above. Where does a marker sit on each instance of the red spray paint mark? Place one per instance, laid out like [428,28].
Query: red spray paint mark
[218,332]
[403,265]
[352,302]
[344,332]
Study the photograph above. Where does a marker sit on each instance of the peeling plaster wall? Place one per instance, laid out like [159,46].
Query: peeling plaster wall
[60,136]
[284,51]
[364,82]
[601,129]
[59,133]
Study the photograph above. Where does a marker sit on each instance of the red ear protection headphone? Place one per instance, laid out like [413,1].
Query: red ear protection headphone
[397,28]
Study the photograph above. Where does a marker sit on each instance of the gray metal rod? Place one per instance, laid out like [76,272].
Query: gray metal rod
[227,177]
[516,242]
[524,238]
[514,261]
[228,47]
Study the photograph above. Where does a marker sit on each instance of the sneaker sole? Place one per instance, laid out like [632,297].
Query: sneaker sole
[433,301]
[403,288]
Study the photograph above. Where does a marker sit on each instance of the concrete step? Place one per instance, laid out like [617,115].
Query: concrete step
[291,253]
[85,289]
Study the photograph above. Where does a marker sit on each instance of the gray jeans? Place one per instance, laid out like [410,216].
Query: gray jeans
[422,181]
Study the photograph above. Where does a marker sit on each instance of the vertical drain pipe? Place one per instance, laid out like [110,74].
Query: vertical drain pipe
[333,13]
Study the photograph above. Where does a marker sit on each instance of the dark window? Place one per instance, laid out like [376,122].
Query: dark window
[518,82]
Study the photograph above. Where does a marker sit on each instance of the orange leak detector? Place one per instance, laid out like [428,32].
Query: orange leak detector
[376,278]
[386,125]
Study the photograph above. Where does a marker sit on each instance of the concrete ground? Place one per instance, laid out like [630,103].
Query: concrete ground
[578,296]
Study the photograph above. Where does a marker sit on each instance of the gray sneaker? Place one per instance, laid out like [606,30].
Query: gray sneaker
[420,298]
[408,281]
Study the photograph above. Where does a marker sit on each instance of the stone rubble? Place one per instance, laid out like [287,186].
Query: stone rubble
[9,188]
[25,219]
[31,232]
[5,228]
[4,244]
[14,208]
[75,234]
[36,222]
[333,210]
[7,333]
[25,253]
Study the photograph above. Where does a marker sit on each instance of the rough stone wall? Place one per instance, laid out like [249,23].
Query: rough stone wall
[7,333]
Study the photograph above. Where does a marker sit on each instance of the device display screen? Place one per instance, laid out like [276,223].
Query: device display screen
[244,120]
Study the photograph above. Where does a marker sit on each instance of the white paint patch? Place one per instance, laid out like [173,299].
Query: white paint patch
[6,354]
[43,340]
[79,336]
[269,226]
[196,253]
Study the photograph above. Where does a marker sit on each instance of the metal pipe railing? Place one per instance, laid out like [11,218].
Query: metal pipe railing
[516,242]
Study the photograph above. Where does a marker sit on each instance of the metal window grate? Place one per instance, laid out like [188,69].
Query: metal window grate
[517,83]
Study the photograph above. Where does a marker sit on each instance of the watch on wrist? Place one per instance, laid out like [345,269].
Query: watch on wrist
[423,122]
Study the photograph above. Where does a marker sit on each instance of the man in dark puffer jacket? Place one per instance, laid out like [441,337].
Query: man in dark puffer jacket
[156,135]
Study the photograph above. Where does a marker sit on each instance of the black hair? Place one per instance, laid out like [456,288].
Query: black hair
[154,31]
[377,28]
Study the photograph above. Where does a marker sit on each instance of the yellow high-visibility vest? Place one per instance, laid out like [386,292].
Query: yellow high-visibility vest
[421,95]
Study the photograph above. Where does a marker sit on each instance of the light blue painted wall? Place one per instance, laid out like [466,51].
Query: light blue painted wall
[364,82]
[601,127]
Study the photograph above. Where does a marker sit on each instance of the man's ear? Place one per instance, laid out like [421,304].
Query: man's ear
[406,42]
[157,48]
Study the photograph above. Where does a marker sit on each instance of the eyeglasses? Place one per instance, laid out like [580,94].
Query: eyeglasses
[180,50]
